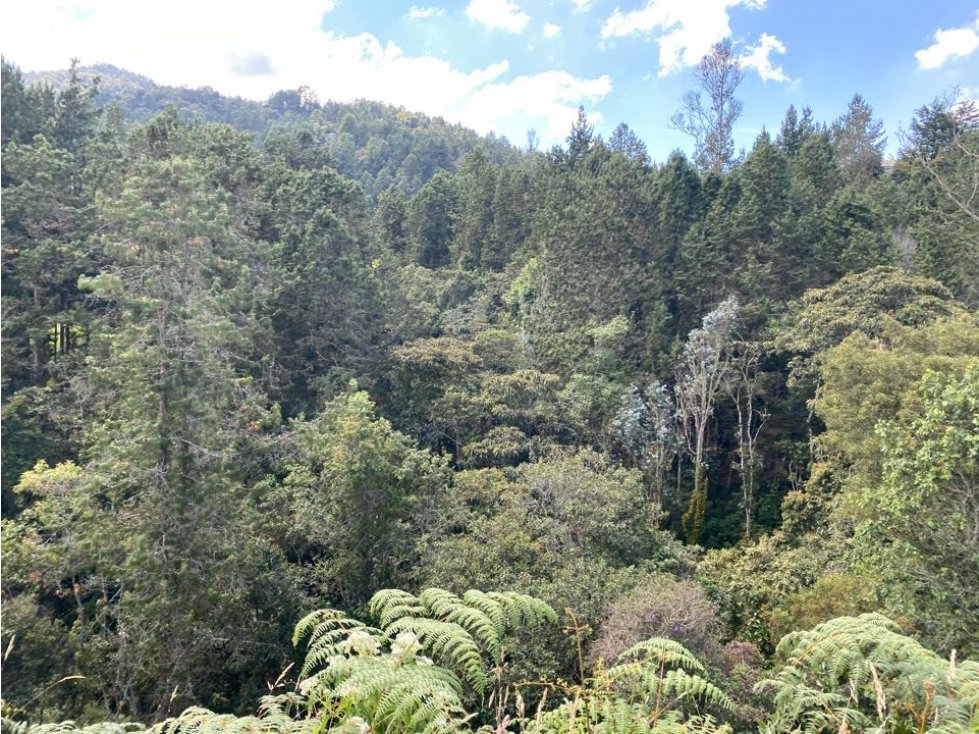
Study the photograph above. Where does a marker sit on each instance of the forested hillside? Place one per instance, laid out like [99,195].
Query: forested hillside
[678,446]
[374,144]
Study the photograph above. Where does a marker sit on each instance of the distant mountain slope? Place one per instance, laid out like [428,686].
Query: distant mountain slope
[376,144]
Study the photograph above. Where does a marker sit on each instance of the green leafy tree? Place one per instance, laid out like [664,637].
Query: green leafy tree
[26,107]
[815,175]
[47,224]
[174,399]
[853,237]
[769,260]
[864,302]
[322,310]
[581,139]
[927,503]
[625,141]
[708,264]
[938,177]
[511,215]
[355,500]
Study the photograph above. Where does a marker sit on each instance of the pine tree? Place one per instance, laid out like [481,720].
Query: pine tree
[432,216]
[858,143]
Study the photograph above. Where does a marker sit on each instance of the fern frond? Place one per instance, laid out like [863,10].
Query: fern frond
[523,610]
[388,605]
[450,644]
[391,698]
[663,651]
[448,607]
[693,725]
[420,703]
[680,685]
[332,635]
[492,609]
[196,720]
[842,672]
[321,621]
[8,726]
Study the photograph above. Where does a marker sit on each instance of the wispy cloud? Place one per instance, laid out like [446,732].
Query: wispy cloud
[501,14]
[551,30]
[949,44]
[581,6]
[426,12]
[547,102]
[685,30]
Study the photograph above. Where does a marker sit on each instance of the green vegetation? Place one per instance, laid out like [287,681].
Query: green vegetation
[706,436]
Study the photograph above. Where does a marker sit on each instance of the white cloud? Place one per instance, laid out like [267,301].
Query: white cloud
[551,30]
[547,102]
[177,42]
[958,42]
[581,6]
[498,14]
[254,54]
[759,58]
[685,29]
[427,12]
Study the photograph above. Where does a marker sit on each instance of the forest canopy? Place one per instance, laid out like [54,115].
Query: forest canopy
[335,417]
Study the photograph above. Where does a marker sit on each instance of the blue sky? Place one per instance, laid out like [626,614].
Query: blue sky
[512,65]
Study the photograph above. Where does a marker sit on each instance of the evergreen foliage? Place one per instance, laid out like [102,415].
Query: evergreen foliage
[265,358]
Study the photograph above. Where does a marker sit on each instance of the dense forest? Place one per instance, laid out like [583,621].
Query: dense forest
[335,417]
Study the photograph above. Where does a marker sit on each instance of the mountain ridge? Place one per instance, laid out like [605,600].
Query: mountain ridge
[374,143]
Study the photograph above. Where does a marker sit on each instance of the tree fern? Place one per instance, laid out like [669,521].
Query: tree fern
[658,673]
[68,727]
[390,695]
[201,721]
[194,720]
[357,675]
[464,633]
[522,610]
[357,679]
[656,687]
[861,673]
